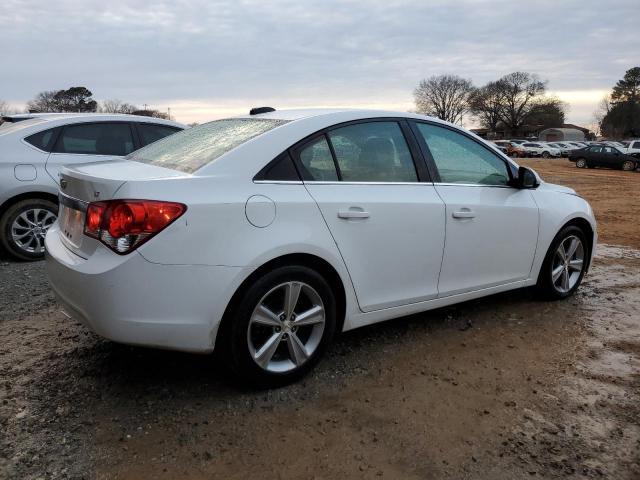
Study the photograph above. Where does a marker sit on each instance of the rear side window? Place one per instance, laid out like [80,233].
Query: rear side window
[191,149]
[373,152]
[42,140]
[150,132]
[96,139]
[317,161]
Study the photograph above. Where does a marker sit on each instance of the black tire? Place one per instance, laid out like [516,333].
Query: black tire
[581,163]
[545,286]
[14,248]
[545,155]
[235,348]
[628,166]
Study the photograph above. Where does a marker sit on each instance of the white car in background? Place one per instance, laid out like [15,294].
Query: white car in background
[633,149]
[33,149]
[540,149]
[262,236]
[564,147]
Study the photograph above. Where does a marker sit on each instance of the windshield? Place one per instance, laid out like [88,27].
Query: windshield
[191,149]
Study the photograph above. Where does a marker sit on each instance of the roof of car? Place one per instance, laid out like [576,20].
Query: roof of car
[299,114]
[91,116]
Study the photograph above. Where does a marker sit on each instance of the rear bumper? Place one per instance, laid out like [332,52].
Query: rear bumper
[130,300]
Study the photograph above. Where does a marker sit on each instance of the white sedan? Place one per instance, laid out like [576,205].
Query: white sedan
[262,236]
[539,149]
[33,149]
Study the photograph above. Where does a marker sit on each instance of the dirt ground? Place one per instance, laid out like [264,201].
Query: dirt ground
[506,387]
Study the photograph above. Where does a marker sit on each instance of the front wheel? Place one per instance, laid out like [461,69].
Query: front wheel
[281,327]
[24,226]
[546,154]
[581,163]
[565,264]
[628,165]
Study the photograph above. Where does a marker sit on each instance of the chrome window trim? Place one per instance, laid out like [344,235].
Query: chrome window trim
[339,182]
[284,182]
[449,184]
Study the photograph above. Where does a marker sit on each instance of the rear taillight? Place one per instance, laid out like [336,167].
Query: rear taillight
[124,225]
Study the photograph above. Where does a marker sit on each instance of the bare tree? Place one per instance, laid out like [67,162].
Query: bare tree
[117,106]
[6,108]
[486,105]
[44,102]
[520,92]
[444,96]
[603,109]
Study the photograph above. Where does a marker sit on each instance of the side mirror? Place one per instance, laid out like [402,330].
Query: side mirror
[527,178]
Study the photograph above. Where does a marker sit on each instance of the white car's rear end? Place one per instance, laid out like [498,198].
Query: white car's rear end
[97,248]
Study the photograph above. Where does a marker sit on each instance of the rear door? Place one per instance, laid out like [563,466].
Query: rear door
[381,208]
[612,158]
[89,142]
[491,227]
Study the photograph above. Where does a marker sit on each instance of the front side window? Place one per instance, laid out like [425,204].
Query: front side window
[636,145]
[459,159]
[96,139]
[373,152]
[191,149]
[317,161]
[595,149]
[150,132]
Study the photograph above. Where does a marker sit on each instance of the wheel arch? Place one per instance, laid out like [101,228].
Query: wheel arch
[584,225]
[314,262]
[27,196]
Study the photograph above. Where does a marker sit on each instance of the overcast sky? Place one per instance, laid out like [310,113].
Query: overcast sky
[207,59]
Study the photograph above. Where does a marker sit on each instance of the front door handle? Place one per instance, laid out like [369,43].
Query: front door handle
[464,213]
[352,214]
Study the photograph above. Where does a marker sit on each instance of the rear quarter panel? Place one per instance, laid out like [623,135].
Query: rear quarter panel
[215,230]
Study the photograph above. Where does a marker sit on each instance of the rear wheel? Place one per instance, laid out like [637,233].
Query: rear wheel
[581,163]
[24,226]
[628,165]
[565,264]
[281,327]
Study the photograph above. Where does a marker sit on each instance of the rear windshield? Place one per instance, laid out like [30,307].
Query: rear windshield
[191,149]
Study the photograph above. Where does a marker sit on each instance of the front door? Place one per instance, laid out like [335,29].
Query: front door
[387,224]
[491,228]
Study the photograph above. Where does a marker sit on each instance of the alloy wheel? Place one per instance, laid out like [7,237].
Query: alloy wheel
[567,264]
[581,163]
[286,327]
[30,227]
[627,166]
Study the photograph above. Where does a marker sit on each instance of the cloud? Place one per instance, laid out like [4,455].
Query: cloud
[295,53]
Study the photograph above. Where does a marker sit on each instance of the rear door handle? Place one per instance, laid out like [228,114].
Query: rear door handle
[464,213]
[352,214]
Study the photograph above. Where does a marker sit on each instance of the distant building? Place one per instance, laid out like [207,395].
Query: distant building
[567,131]
[559,134]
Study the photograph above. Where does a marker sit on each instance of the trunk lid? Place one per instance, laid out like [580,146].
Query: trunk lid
[93,182]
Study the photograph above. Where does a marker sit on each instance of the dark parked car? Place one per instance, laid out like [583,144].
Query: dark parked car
[602,156]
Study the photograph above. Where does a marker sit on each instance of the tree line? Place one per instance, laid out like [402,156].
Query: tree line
[79,100]
[619,112]
[509,103]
